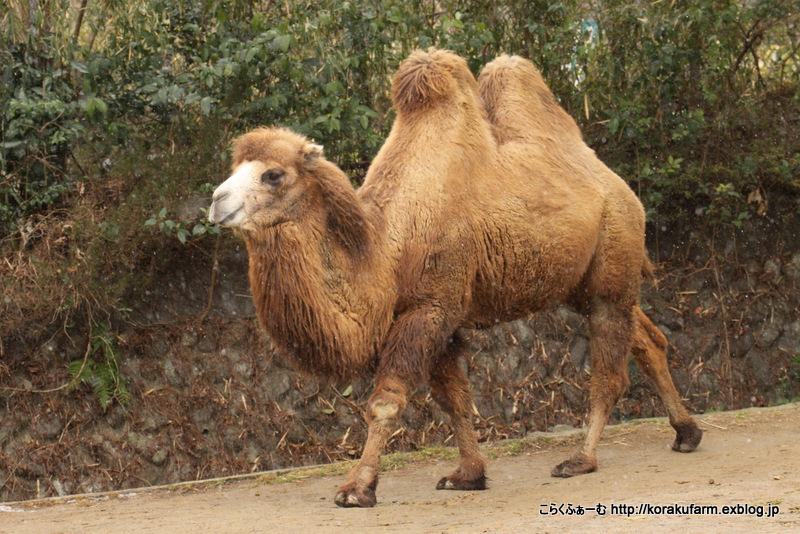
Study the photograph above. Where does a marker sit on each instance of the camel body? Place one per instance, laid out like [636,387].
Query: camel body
[483,205]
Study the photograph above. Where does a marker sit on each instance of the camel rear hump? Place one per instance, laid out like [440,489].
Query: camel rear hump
[519,103]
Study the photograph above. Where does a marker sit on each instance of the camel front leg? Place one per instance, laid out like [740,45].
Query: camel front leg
[384,409]
[416,339]
[610,330]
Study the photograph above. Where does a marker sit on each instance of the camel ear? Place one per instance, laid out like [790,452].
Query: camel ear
[311,155]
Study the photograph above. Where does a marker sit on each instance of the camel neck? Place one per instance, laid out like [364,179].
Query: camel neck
[313,303]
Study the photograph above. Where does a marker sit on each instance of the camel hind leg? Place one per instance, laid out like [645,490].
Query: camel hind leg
[649,351]
[450,388]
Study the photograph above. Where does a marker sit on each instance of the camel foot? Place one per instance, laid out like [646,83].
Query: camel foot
[458,481]
[687,437]
[352,496]
[580,464]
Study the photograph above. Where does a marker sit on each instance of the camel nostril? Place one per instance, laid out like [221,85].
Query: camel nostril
[219,195]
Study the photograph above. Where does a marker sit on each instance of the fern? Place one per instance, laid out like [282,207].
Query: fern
[105,377]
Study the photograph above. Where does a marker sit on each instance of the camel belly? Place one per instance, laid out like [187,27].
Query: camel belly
[527,274]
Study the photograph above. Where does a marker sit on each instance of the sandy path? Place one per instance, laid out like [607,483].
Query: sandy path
[750,457]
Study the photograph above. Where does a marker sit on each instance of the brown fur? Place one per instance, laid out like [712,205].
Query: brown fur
[483,205]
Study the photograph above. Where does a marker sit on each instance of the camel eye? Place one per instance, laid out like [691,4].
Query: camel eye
[273,177]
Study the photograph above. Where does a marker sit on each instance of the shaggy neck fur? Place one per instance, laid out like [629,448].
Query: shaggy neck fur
[313,288]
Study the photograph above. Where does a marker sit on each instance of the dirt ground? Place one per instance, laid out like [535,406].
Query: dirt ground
[749,458]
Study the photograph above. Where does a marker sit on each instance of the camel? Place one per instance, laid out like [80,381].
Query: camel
[470,214]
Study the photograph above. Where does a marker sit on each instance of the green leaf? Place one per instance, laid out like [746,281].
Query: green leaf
[328,411]
[613,125]
[282,42]
[150,222]
[333,124]
[205,105]
[334,87]
[348,391]
[79,66]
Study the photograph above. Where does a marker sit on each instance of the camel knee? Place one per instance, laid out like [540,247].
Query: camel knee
[385,408]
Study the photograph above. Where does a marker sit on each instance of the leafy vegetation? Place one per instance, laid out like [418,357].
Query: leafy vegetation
[104,374]
[655,84]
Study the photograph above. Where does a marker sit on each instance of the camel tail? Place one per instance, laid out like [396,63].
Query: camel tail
[655,335]
[425,77]
[649,271]
[644,323]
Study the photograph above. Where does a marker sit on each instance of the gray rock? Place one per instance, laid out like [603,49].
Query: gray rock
[160,457]
[189,339]
[579,351]
[170,373]
[508,366]
[683,343]
[242,369]
[772,267]
[706,382]
[206,345]
[790,340]
[759,366]
[769,334]
[143,444]
[792,269]
[59,487]
[522,333]
[49,426]
[277,384]
[741,344]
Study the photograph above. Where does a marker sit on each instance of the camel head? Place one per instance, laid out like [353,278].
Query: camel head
[268,184]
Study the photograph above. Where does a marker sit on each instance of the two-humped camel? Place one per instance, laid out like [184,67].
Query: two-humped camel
[483,205]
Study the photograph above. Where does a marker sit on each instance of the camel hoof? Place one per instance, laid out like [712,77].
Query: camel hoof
[687,437]
[579,464]
[458,482]
[354,497]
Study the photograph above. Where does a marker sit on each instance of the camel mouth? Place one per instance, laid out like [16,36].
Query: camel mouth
[225,219]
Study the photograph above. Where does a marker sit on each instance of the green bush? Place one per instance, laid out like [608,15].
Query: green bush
[40,123]
[687,92]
